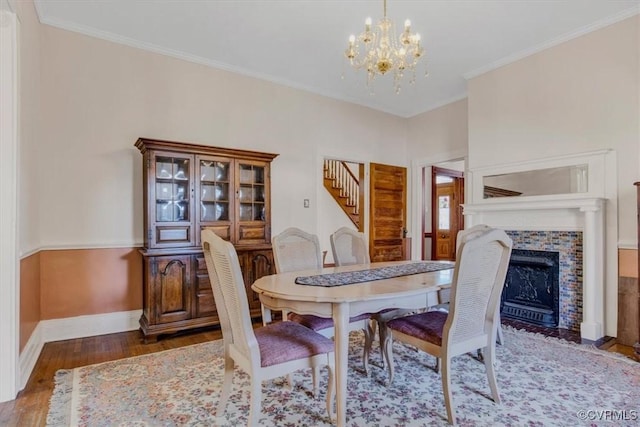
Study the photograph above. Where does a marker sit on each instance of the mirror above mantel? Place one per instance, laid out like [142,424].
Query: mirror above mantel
[572,176]
[540,182]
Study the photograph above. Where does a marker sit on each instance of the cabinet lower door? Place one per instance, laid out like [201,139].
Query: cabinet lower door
[172,290]
[255,264]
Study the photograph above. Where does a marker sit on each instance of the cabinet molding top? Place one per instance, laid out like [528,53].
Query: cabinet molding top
[144,144]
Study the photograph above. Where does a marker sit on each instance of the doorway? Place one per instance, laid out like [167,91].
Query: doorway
[441,226]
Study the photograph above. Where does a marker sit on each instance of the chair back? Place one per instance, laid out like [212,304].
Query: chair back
[469,233]
[478,279]
[349,247]
[295,250]
[229,294]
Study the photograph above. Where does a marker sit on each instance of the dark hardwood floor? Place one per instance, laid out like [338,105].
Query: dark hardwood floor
[30,408]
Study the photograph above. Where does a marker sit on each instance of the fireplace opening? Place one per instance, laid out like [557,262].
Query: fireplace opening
[531,289]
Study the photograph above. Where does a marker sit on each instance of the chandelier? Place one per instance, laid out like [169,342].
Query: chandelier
[379,52]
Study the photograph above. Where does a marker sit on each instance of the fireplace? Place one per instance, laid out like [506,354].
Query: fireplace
[531,290]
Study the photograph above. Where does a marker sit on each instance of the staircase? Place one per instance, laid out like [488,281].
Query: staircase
[344,186]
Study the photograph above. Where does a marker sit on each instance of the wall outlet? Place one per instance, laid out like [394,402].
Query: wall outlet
[306,203]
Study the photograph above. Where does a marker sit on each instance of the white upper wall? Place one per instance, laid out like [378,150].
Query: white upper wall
[98,97]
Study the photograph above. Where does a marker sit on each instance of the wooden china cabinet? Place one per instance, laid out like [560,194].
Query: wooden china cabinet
[188,188]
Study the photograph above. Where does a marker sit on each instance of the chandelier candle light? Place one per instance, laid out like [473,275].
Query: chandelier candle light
[383,53]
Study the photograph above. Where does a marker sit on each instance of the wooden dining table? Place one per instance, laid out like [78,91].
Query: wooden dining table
[281,292]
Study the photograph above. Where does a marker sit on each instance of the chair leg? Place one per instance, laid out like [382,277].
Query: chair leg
[489,364]
[315,374]
[369,334]
[226,384]
[498,324]
[266,315]
[255,405]
[386,340]
[331,390]
[446,389]
[500,335]
[438,366]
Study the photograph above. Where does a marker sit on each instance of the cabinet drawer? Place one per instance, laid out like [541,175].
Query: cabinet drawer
[177,234]
[223,231]
[252,233]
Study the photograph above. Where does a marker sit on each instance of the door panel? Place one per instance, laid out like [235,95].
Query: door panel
[445,245]
[447,194]
[388,189]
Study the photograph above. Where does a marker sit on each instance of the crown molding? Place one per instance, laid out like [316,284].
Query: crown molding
[628,13]
[150,47]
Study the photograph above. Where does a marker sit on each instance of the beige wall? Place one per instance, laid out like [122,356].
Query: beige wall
[578,96]
[99,97]
[438,131]
[81,177]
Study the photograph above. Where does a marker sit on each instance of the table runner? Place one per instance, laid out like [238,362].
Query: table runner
[369,274]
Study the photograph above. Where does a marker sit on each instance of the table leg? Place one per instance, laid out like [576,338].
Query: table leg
[341,336]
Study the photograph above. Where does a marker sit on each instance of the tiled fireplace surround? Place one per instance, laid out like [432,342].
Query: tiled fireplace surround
[568,244]
[575,228]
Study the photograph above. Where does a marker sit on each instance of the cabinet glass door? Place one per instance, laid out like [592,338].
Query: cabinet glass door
[252,207]
[251,193]
[172,189]
[214,194]
[171,202]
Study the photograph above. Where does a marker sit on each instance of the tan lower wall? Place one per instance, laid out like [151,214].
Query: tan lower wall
[628,263]
[90,281]
[30,312]
[56,284]
[628,297]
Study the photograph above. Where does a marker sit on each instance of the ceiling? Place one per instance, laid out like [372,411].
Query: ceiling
[300,43]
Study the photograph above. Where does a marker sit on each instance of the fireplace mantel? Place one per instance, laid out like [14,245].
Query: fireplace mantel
[554,213]
[535,203]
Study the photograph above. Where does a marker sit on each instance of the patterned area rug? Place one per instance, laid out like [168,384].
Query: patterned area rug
[543,382]
[369,274]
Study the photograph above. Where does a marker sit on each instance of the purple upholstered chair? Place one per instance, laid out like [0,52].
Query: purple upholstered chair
[349,247]
[268,352]
[478,280]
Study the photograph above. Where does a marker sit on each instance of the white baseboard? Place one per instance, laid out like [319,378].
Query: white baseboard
[70,328]
[29,355]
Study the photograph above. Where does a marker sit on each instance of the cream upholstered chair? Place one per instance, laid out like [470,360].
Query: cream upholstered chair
[444,294]
[478,280]
[349,247]
[297,250]
[268,352]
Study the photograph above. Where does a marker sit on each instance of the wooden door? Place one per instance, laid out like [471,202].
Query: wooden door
[447,194]
[387,212]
